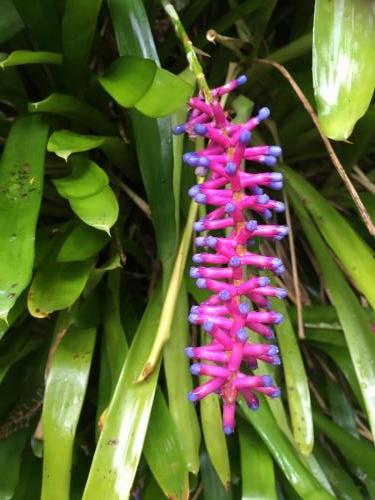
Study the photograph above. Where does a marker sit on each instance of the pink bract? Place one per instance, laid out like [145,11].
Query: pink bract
[240,297]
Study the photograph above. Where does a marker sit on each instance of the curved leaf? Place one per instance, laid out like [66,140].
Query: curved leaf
[65,391]
[258,476]
[86,179]
[283,453]
[133,81]
[296,382]
[354,321]
[99,211]
[20,57]
[163,452]
[343,45]
[120,444]
[65,142]
[57,286]
[70,107]
[82,243]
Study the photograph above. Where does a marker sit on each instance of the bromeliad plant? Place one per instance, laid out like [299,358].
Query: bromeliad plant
[239,300]
[96,227]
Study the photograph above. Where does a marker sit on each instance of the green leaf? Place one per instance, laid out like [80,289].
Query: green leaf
[283,453]
[120,444]
[21,187]
[354,321]
[128,79]
[355,255]
[65,391]
[21,57]
[258,476]
[179,384]
[44,35]
[99,211]
[79,26]
[10,21]
[213,434]
[343,45]
[70,107]
[166,94]
[342,483]
[155,156]
[65,142]
[57,285]
[133,81]
[86,179]
[296,382]
[11,450]
[359,451]
[82,243]
[163,451]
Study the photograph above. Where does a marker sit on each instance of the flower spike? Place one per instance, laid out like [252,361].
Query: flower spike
[239,299]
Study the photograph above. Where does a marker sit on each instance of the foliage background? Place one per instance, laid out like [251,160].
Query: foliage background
[87,157]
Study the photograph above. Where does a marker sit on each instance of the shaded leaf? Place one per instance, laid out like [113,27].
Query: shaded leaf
[21,57]
[81,243]
[343,45]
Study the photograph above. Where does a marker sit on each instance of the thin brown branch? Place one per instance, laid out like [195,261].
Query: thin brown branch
[297,291]
[331,153]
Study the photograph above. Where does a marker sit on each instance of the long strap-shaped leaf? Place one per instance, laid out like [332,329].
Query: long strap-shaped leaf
[65,392]
[355,255]
[21,187]
[283,453]
[354,321]
[120,444]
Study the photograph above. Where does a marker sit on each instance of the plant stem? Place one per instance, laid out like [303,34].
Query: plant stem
[191,55]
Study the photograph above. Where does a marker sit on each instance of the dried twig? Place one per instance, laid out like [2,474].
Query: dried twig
[331,153]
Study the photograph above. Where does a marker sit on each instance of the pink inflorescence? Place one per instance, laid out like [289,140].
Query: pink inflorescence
[239,300]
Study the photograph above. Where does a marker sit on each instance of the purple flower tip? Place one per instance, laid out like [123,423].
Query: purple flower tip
[235,261]
[224,295]
[228,429]
[198,226]
[200,129]
[275,151]
[281,293]
[253,405]
[179,129]
[264,281]
[194,272]
[208,326]
[270,161]
[195,369]
[189,351]
[242,79]
[272,350]
[211,241]
[193,191]
[279,206]
[230,168]
[276,393]
[263,114]
[192,397]
[251,225]
[242,335]
[201,198]
[230,208]
[197,258]
[276,361]
[201,283]
[193,318]
[245,137]
[244,308]
[266,379]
